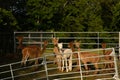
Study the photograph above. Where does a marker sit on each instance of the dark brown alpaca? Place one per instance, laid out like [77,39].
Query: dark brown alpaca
[33,52]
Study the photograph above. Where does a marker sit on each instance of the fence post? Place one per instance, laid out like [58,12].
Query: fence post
[45,64]
[80,65]
[41,37]
[115,61]
[14,42]
[29,35]
[11,72]
[98,39]
[119,46]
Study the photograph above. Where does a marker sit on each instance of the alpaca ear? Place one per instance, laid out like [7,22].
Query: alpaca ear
[57,39]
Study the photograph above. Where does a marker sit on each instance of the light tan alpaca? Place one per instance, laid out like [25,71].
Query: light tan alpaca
[32,52]
[108,58]
[66,57]
[20,46]
[84,57]
[58,55]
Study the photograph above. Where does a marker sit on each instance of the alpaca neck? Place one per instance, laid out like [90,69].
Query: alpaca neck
[20,46]
[104,51]
[78,52]
[57,47]
[72,48]
[43,49]
[78,49]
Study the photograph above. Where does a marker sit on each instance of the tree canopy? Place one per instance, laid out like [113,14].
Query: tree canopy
[61,15]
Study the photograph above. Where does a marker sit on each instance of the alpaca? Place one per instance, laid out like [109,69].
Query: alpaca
[58,55]
[20,46]
[108,56]
[66,56]
[84,57]
[31,52]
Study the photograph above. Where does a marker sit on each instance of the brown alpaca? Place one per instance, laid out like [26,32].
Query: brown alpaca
[107,57]
[20,46]
[33,51]
[58,55]
[84,57]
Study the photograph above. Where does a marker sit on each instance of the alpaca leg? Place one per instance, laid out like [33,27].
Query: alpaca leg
[59,64]
[58,60]
[62,64]
[36,62]
[24,59]
[70,64]
[78,65]
[66,65]
[86,67]
[96,67]
[55,61]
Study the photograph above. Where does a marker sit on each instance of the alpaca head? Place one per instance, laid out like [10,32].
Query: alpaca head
[19,38]
[55,41]
[60,45]
[71,44]
[77,44]
[45,43]
[103,45]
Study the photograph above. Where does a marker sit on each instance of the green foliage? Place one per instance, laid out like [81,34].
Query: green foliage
[65,15]
[62,15]
[7,20]
[116,17]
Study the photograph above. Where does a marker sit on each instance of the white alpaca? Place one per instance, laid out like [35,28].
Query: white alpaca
[66,56]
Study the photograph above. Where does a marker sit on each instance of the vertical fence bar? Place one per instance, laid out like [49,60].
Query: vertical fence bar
[80,66]
[11,72]
[115,61]
[119,46]
[98,41]
[14,43]
[29,35]
[41,34]
[45,64]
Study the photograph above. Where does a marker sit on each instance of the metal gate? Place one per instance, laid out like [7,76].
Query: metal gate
[49,71]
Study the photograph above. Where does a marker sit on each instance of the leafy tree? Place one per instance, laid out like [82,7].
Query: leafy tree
[108,13]
[114,26]
[90,12]
[65,15]
[7,20]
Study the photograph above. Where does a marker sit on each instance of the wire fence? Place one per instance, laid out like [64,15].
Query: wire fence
[49,71]
[89,40]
